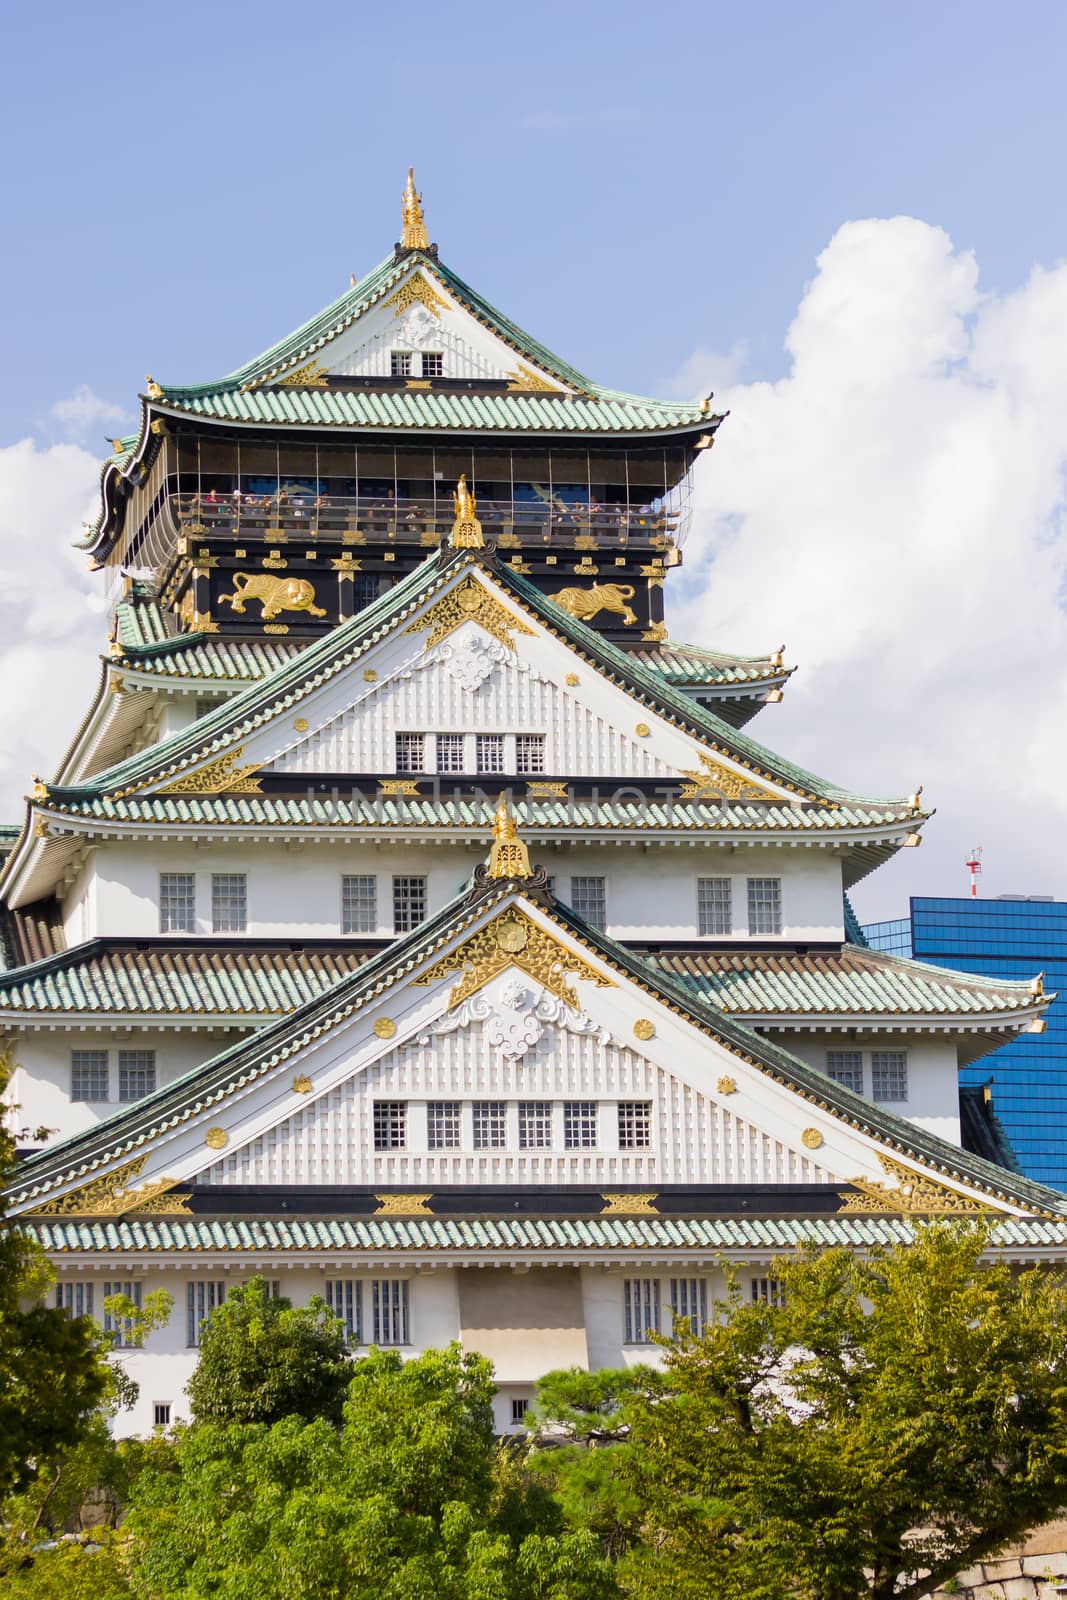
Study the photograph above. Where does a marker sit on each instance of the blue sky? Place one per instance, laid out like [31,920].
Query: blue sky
[182,184]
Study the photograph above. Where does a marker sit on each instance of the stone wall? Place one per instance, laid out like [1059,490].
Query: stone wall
[1034,1570]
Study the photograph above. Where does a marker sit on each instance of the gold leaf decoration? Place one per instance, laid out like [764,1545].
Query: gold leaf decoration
[403,1205]
[656,634]
[715,782]
[811,1139]
[546,789]
[469,601]
[301,1083]
[167,1203]
[913,1192]
[644,1028]
[403,787]
[224,775]
[114,1195]
[216,1138]
[416,291]
[523,378]
[513,940]
[310,376]
[384,1028]
[586,603]
[629,1205]
[727,1085]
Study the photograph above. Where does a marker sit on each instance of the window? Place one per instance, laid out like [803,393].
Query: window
[409,903]
[450,752]
[579,1124]
[715,914]
[124,1328]
[519,1409]
[76,1299]
[229,902]
[490,1129]
[689,1298]
[764,905]
[529,752]
[88,1075]
[390,1124]
[177,902]
[489,752]
[359,902]
[409,752]
[442,1125]
[769,1290]
[365,590]
[344,1296]
[203,707]
[640,1298]
[161,1414]
[400,363]
[535,1125]
[390,1301]
[889,1075]
[846,1068]
[137,1074]
[635,1124]
[589,900]
[202,1297]
[433,364]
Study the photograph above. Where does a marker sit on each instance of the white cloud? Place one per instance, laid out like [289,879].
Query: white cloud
[51,623]
[83,413]
[894,509]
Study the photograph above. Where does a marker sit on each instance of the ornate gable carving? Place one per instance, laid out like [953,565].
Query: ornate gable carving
[221,776]
[512,940]
[417,291]
[469,601]
[713,781]
[113,1196]
[914,1192]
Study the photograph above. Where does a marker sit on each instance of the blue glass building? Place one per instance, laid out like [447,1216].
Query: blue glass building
[1015,937]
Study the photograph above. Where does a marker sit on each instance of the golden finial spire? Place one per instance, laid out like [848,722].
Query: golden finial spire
[508,856]
[466,530]
[414,236]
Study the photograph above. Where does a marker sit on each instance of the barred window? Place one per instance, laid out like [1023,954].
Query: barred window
[635,1124]
[770,1290]
[589,899]
[365,589]
[137,1074]
[89,1075]
[390,1306]
[177,902]
[390,1124]
[640,1299]
[442,1125]
[359,902]
[689,1298]
[344,1296]
[409,753]
[846,1068]
[229,902]
[202,1297]
[433,364]
[76,1299]
[161,1414]
[450,752]
[529,752]
[715,911]
[519,1408]
[124,1328]
[409,903]
[400,363]
[489,752]
[764,905]
[579,1124]
[490,1126]
[889,1075]
[535,1124]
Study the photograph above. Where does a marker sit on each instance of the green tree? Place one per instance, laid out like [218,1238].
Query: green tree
[895,1420]
[262,1360]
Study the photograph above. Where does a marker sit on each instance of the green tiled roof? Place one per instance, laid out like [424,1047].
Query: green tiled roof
[508,1235]
[691,665]
[143,630]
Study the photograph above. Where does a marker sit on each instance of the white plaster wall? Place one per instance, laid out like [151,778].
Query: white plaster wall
[605,1320]
[933,1099]
[79,903]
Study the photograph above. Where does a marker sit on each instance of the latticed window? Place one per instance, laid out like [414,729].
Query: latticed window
[442,1125]
[76,1299]
[715,910]
[489,752]
[846,1068]
[519,1408]
[579,1124]
[344,1296]
[635,1124]
[490,1125]
[88,1075]
[124,1328]
[529,752]
[229,902]
[689,1298]
[400,363]
[410,755]
[764,905]
[390,1124]
[640,1300]
[359,902]
[450,752]
[390,1307]
[177,902]
[365,590]
[409,903]
[889,1075]
[433,364]
[535,1124]
[202,1297]
[589,898]
[770,1290]
[137,1074]
[161,1414]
